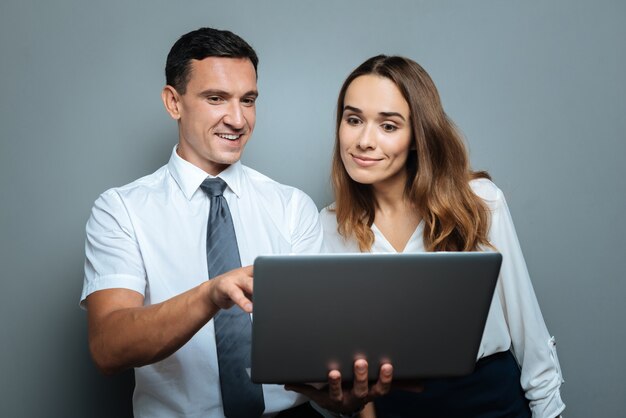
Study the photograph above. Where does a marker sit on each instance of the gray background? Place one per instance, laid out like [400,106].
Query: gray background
[537,88]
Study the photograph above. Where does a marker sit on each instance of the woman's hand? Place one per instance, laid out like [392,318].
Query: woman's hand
[341,398]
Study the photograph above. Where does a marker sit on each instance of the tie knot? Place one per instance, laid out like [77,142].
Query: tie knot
[213,186]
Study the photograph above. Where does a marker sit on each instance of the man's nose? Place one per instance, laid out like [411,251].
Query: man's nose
[234,116]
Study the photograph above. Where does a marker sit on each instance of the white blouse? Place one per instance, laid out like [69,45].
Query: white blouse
[514,321]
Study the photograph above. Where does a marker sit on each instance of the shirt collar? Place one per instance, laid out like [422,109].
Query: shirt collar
[189,177]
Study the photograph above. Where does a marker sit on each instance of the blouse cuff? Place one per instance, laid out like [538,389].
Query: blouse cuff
[549,408]
[552,405]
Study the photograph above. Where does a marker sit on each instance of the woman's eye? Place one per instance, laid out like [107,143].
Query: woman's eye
[353,121]
[387,127]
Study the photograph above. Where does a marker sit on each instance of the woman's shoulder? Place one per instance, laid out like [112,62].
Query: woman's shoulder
[333,240]
[328,217]
[486,190]
[328,209]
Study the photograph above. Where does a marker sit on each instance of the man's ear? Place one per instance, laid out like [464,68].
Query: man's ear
[171,101]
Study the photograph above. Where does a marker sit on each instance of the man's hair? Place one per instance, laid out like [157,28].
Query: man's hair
[438,168]
[200,44]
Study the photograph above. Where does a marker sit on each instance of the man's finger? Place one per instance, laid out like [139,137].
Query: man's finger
[248,270]
[241,300]
[239,282]
[245,281]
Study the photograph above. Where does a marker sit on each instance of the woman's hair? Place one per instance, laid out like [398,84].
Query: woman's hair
[438,171]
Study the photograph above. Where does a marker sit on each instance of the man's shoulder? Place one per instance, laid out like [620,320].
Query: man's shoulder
[264,184]
[152,183]
[283,200]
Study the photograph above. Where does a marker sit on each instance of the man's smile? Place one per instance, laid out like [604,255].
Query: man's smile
[230,137]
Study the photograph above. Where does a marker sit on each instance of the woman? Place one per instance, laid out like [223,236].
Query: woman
[402,183]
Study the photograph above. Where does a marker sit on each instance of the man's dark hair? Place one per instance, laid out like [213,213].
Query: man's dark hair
[200,44]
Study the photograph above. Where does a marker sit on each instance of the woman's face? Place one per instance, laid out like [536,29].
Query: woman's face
[375,132]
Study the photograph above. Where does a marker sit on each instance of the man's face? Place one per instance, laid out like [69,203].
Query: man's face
[216,115]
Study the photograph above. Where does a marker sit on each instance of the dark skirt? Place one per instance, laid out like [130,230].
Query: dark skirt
[492,391]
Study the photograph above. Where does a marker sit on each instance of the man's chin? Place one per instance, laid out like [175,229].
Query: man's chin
[228,158]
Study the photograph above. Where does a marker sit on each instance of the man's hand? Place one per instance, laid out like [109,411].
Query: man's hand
[337,397]
[123,333]
[232,288]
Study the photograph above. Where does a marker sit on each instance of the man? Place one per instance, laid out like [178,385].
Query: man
[153,244]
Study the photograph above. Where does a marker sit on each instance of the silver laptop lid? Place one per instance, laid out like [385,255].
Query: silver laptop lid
[424,312]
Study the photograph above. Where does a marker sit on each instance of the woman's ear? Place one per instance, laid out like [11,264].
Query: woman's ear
[171,101]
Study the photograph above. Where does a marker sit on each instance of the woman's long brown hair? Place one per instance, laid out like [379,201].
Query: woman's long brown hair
[438,168]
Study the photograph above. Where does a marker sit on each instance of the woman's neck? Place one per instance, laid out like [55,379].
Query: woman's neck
[395,215]
[389,194]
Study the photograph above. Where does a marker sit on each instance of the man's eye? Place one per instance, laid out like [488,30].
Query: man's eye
[249,101]
[214,99]
[388,127]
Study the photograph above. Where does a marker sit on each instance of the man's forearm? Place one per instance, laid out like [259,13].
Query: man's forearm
[125,334]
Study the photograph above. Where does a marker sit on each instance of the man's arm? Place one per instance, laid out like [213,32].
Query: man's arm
[123,333]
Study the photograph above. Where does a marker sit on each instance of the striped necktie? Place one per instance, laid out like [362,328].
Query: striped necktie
[233,330]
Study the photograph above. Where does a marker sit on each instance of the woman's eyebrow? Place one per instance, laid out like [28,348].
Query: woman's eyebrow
[392,114]
[352,109]
[384,114]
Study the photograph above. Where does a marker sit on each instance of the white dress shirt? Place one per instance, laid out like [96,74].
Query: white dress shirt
[150,236]
[514,319]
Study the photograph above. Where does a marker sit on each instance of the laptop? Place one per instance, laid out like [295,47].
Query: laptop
[425,313]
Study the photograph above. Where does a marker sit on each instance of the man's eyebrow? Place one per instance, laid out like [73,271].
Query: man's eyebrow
[217,92]
[214,92]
